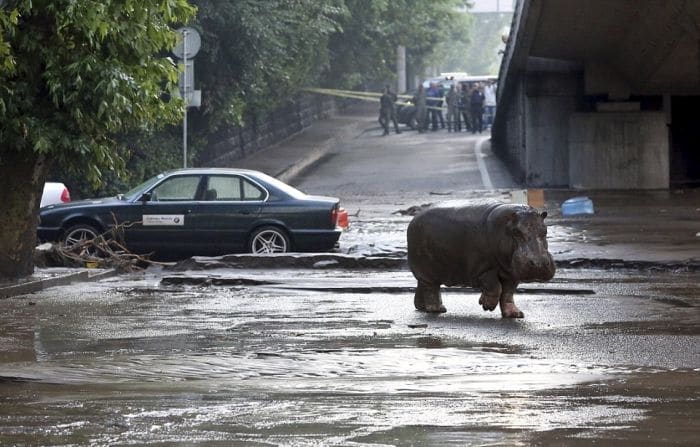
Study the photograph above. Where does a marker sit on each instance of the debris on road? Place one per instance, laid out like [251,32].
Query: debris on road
[577,206]
[413,210]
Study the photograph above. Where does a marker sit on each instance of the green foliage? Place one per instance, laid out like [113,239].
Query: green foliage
[255,54]
[480,56]
[76,73]
[364,51]
[84,81]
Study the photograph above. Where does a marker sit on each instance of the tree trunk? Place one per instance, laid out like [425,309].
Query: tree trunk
[22,176]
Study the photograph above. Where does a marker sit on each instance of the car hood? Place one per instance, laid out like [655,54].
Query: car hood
[82,203]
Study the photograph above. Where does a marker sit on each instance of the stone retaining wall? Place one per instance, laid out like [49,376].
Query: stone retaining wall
[261,131]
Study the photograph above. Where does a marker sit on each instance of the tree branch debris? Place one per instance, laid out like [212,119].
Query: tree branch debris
[107,250]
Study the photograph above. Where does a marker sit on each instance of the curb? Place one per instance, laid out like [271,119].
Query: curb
[58,280]
[288,174]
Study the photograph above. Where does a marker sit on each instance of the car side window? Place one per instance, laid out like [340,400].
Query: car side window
[176,189]
[232,188]
[251,191]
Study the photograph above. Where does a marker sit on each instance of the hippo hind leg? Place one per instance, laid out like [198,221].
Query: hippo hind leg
[508,307]
[428,299]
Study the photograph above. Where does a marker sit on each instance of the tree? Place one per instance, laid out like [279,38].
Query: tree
[481,56]
[73,74]
[255,55]
[364,50]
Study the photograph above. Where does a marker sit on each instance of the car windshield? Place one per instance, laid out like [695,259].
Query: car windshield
[138,190]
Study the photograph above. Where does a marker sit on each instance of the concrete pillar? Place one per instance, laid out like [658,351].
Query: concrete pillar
[401,68]
[618,150]
[550,101]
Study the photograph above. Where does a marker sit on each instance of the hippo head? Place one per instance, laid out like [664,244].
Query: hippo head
[531,261]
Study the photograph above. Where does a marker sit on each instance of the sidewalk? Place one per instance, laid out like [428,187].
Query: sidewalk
[287,159]
[43,278]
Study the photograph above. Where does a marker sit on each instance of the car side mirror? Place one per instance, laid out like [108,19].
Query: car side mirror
[146,197]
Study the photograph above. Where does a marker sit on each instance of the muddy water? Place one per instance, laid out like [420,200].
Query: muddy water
[134,362]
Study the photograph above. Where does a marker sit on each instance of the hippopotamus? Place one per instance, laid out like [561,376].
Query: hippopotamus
[490,245]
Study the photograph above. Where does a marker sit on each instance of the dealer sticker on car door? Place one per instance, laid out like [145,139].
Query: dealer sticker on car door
[164,220]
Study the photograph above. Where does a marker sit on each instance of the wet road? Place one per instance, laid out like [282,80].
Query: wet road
[338,356]
[305,358]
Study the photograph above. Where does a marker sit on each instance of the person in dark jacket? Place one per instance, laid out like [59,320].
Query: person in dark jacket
[387,110]
[434,102]
[476,109]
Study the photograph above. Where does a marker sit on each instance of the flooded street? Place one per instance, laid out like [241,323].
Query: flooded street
[327,349]
[315,358]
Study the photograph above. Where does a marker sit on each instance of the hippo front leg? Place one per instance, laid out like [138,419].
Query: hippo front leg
[508,307]
[490,286]
[428,299]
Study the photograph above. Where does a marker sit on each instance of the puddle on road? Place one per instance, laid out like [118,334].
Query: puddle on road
[257,365]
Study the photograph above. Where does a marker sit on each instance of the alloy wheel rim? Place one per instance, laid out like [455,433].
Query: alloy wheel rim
[269,242]
[78,237]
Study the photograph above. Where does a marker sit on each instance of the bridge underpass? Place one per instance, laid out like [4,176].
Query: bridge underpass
[602,94]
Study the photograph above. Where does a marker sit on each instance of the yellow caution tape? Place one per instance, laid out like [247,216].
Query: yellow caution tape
[364,96]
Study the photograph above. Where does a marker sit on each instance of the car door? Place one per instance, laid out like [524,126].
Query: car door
[166,223]
[225,217]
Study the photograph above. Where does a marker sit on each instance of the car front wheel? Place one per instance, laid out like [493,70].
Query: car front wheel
[78,235]
[269,240]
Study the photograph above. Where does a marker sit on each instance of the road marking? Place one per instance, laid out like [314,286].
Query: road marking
[485,178]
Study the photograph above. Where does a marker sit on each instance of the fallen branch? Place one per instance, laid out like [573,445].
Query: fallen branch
[107,250]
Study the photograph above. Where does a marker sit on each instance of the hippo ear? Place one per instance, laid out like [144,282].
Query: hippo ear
[544,214]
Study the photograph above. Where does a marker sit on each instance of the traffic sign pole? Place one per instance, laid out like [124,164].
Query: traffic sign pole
[184,95]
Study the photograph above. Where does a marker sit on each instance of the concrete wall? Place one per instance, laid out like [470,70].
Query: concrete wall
[551,99]
[261,131]
[618,151]
[508,133]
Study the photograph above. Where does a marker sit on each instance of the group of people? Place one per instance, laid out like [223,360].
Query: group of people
[467,105]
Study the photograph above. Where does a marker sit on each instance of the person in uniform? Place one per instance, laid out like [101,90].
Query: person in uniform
[464,108]
[476,109]
[387,110]
[452,110]
[421,109]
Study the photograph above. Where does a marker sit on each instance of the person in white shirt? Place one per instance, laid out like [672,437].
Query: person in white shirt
[490,102]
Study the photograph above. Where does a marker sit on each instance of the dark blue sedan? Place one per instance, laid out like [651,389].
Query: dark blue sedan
[206,211]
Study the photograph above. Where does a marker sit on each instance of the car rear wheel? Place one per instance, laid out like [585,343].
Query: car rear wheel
[78,235]
[269,240]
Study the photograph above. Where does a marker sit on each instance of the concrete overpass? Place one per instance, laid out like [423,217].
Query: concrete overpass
[602,94]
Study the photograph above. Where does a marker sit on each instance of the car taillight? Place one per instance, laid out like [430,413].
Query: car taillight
[343,221]
[65,195]
[339,218]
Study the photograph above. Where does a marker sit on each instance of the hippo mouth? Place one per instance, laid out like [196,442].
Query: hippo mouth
[529,269]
